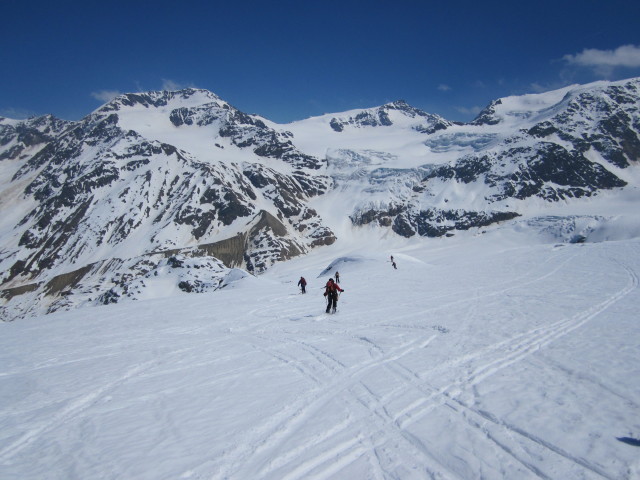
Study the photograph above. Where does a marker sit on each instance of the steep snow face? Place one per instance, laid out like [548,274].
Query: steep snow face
[527,110]
[571,143]
[19,141]
[524,110]
[397,129]
[199,122]
[189,120]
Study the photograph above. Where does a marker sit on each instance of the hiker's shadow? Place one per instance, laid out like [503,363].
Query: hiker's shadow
[630,441]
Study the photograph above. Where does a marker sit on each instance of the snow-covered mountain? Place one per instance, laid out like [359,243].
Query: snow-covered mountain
[556,146]
[108,196]
[176,189]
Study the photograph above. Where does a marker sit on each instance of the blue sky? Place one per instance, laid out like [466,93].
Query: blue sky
[288,60]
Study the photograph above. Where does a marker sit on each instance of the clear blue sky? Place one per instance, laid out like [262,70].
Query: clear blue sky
[288,60]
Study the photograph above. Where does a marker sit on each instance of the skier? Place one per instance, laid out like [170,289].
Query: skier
[331,292]
[337,277]
[302,283]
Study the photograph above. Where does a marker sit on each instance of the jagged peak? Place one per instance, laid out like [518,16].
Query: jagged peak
[549,102]
[382,116]
[161,98]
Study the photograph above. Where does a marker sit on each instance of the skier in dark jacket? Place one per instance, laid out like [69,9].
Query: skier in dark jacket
[302,283]
[331,292]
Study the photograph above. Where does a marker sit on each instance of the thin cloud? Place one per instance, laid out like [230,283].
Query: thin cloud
[105,95]
[626,56]
[469,111]
[172,85]
[542,88]
[443,87]
[16,113]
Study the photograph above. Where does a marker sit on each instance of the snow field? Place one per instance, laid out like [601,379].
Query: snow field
[477,358]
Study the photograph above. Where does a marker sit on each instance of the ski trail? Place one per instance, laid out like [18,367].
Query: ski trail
[81,404]
[478,294]
[276,429]
[522,347]
[354,403]
[73,409]
[517,349]
[338,457]
[332,378]
[537,440]
[439,398]
[379,423]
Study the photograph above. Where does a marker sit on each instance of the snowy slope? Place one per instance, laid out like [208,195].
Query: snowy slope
[502,356]
[505,350]
[521,153]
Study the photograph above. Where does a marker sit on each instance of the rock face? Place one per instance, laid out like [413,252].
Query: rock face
[527,148]
[85,192]
[381,117]
[182,185]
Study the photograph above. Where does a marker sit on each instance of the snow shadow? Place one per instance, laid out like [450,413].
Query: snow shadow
[629,441]
[338,264]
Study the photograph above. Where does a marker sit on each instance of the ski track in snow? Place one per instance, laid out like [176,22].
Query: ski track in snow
[78,406]
[330,378]
[74,408]
[375,426]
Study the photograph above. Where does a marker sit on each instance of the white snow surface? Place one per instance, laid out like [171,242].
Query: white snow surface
[506,352]
[502,355]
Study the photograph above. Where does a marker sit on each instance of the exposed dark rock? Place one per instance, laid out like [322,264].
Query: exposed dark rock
[488,115]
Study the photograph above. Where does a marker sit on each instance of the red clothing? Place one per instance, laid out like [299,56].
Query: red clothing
[332,287]
[331,292]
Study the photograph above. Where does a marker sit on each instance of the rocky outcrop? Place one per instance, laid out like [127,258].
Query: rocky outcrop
[381,117]
[84,191]
[570,150]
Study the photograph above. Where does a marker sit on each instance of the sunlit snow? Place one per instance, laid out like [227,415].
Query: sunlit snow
[505,352]
[490,356]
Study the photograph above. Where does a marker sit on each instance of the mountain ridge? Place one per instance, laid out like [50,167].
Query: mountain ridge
[168,171]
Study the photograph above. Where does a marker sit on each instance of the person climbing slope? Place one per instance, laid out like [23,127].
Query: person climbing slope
[302,283]
[331,292]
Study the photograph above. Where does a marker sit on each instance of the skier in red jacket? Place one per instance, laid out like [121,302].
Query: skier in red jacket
[302,283]
[331,292]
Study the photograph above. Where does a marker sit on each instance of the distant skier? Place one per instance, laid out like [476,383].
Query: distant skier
[337,277]
[331,292]
[302,283]
[393,263]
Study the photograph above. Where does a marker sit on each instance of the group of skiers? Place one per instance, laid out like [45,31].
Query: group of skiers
[332,289]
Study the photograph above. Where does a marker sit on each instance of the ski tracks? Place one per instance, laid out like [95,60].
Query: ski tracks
[376,427]
[331,381]
[73,409]
[489,361]
[79,405]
